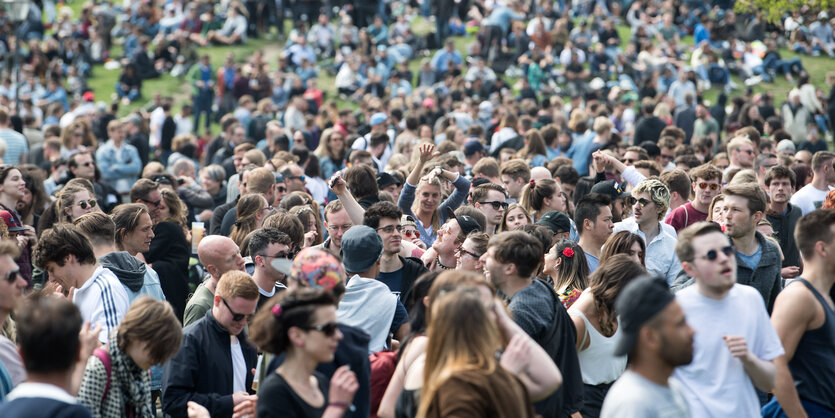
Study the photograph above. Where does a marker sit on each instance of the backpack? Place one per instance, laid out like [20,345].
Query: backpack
[103,355]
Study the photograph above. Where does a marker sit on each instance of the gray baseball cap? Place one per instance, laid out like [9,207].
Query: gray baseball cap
[361,248]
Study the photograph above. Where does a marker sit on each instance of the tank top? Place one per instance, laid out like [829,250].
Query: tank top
[597,363]
[813,364]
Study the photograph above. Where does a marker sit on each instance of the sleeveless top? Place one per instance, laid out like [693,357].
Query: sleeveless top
[407,404]
[597,364]
[813,364]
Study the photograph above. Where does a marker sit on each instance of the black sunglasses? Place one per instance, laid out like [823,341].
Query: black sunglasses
[496,204]
[713,254]
[12,276]
[642,201]
[329,329]
[237,317]
[84,203]
[155,204]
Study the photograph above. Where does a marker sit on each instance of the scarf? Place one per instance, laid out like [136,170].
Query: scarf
[134,382]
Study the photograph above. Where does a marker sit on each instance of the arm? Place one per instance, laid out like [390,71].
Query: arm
[793,311]
[761,372]
[397,383]
[462,187]
[340,189]
[426,152]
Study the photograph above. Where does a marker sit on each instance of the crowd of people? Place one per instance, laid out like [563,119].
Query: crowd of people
[559,224]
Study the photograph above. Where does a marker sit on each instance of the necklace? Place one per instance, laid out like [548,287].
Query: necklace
[441,265]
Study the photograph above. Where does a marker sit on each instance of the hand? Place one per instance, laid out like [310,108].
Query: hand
[426,152]
[22,241]
[205,215]
[516,355]
[337,184]
[343,386]
[419,243]
[195,410]
[187,181]
[309,238]
[241,397]
[89,339]
[246,408]
[790,272]
[738,346]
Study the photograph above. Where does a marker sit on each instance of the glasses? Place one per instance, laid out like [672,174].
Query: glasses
[163,180]
[84,203]
[713,186]
[713,254]
[12,276]
[329,329]
[337,228]
[87,164]
[642,201]
[629,160]
[464,252]
[496,204]
[409,232]
[281,189]
[237,317]
[389,229]
[152,203]
[667,157]
[283,254]
[295,177]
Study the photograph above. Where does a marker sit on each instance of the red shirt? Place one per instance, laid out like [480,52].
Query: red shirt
[684,216]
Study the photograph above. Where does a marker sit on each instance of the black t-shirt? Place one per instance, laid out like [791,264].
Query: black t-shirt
[277,399]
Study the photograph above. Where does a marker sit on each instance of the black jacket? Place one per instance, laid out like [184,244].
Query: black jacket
[648,129]
[784,229]
[169,254]
[412,269]
[217,217]
[202,370]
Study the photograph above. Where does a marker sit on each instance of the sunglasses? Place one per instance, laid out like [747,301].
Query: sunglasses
[154,204]
[295,177]
[88,163]
[464,252]
[389,229]
[409,232]
[281,189]
[85,203]
[667,157]
[329,329]
[629,160]
[642,201]
[496,204]
[713,186]
[283,254]
[237,317]
[713,254]
[12,276]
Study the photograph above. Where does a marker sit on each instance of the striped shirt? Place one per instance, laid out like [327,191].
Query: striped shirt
[103,300]
[16,146]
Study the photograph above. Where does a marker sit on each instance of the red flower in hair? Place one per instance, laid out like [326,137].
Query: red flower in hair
[568,252]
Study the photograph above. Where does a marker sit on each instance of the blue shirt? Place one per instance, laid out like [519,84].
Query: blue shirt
[593,262]
[393,280]
[581,150]
[753,260]
[660,257]
[501,17]
[439,61]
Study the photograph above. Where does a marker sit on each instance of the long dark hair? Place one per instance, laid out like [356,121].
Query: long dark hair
[605,285]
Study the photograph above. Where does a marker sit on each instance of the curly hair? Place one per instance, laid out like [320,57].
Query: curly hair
[658,192]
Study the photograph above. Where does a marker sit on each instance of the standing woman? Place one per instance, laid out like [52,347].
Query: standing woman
[170,250]
[76,138]
[625,242]
[428,210]
[252,210]
[566,266]
[12,189]
[75,200]
[302,324]
[331,152]
[312,226]
[598,329]
[514,218]
[116,381]
[534,151]
[542,196]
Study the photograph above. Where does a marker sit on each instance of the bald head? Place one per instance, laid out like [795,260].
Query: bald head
[541,173]
[219,254]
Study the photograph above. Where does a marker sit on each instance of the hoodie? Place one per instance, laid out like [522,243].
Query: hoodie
[135,276]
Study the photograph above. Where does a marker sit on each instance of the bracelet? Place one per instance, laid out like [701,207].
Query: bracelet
[341,405]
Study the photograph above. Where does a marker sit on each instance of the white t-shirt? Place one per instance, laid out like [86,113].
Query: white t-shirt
[238,367]
[715,383]
[635,396]
[102,299]
[809,198]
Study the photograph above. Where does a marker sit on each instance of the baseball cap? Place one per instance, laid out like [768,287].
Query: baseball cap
[378,118]
[89,96]
[361,248]
[611,188]
[317,268]
[11,223]
[385,179]
[408,220]
[472,146]
[466,223]
[638,302]
[478,181]
[556,221]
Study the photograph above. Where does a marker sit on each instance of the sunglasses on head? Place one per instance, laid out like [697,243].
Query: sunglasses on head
[85,203]
[409,232]
[237,317]
[329,329]
[713,254]
[496,204]
[713,186]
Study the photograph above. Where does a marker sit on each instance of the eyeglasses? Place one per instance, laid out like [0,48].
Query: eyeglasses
[329,329]
[464,252]
[295,177]
[496,204]
[667,157]
[389,229]
[152,203]
[163,180]
[336,228]
[629,160]
[713,186]
[409,232]
[85,203]
[713,254]
[12,276]
[283,254]
[237,317]
[88,163]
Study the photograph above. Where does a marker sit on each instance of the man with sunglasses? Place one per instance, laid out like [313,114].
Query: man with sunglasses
[218,255]
[491,200]
[733,332]
[812,195]
[293,177]
[706,184]
[265,246]
[396,271]
[216,363]
[741,153]
[649,204]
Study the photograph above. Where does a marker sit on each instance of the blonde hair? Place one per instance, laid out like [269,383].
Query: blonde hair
[248,208]
[236,284]
[658,192]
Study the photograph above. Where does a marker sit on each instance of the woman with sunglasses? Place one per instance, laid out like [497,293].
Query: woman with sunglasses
[75,200]
[598,329]
[542,196]
[428,210]
[566,267]
[515,217]
[302,325]
[410,232]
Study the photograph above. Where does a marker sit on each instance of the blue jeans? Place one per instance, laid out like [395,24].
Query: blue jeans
[131,94]
[202,104]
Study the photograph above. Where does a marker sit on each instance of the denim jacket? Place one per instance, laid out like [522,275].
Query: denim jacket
[120,167]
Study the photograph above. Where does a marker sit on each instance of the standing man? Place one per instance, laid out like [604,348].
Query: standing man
[655,335]
[617,195]
[215,364]
[515,174]
[337,222]
[397,272]
[12,372]
[593,217]
[733,332]
[651,198]
[780,181]
[511,260]
[118,161]
[203,84]
[68,257]
[218,255]
[265,246]
[491,200]
[17,147]
[804,317]
[741,153]
[812,195]
[707,183]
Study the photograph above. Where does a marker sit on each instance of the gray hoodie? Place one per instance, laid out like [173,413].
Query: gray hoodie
[135,276]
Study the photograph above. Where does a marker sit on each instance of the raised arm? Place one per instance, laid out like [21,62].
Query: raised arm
[340,189]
